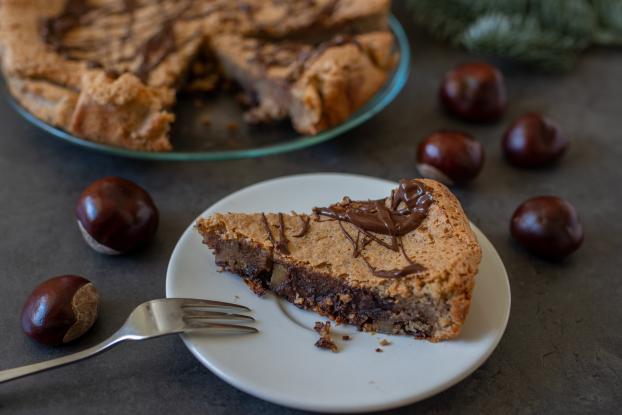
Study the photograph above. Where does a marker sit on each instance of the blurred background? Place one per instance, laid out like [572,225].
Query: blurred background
[548,35]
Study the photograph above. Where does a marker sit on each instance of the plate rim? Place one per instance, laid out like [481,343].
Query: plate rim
[378,103]
[283,401]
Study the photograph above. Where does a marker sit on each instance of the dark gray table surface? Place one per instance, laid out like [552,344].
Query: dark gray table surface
[561,353]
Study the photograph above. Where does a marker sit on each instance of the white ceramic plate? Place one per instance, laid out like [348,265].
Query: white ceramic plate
[281,364]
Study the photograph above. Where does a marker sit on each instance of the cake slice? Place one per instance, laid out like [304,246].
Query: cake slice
[316,86]
[405,264]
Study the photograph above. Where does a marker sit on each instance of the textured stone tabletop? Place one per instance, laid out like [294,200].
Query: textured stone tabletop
[561,353]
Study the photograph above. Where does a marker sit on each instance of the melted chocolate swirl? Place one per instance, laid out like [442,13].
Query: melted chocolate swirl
[138,35]
[119,36]
[396,216]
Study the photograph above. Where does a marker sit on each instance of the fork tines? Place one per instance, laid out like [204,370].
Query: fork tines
[201,314]
[198,303]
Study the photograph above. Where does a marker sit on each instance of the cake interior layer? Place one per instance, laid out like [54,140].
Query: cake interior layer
[329,296]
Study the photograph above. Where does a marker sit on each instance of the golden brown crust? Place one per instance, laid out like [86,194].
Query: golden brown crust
[444,244]
[122,112]
[341,81]
[51,103]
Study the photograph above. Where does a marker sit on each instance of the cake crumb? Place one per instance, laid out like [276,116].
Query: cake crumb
[345,298]
[385,342]
[198,68]
[246,99]
[232,127]
[206,120]
[204,84]
[346,337]
[379,350]
[325,341]
[255,286]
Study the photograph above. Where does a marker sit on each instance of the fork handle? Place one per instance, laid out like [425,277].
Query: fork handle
[18,372]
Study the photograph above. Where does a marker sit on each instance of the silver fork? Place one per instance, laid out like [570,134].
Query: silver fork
[154,319]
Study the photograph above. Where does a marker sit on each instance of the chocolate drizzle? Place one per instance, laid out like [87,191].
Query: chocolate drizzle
[281,244]
[396,273]
[305,226]
[290,8]
[156,49]
[298,57]
[396,216]
[138,35]
[53,30]
[119,25]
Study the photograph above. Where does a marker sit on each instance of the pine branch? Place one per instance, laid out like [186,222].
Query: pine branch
[480,7]
[521,39]
[445,20]
[609,16]
[575,18]
[549,34]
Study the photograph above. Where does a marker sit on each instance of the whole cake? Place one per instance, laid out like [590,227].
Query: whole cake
[405,264]
[109,70]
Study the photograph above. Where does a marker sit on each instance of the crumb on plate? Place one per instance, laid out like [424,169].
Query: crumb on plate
[325,341]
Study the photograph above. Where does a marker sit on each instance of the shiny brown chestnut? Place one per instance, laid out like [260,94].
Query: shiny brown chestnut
[116,215]
[60,310]
[533,141]
[474,92]
[450,157]
[548,226]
